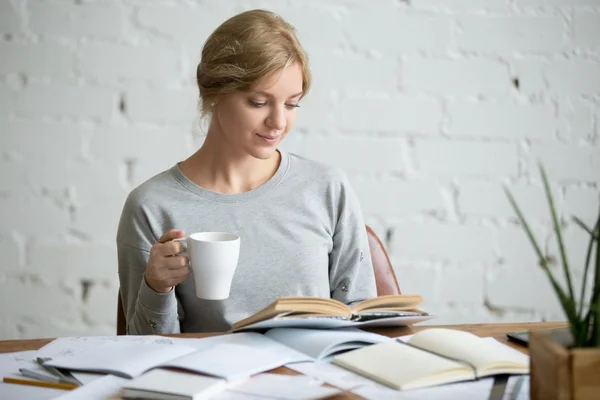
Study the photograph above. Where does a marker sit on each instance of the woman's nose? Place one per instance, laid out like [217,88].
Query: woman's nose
[276,118]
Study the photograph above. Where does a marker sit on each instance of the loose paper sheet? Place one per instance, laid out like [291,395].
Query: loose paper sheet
[9,366]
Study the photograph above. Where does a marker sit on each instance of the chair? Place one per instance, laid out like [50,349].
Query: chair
[385,278]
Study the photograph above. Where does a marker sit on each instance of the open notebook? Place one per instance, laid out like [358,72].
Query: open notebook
[432,357]
[327,313]
[253,352]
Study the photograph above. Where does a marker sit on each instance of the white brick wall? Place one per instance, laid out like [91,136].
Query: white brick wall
[430,106]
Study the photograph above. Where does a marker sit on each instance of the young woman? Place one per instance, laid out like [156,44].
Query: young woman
[302,231]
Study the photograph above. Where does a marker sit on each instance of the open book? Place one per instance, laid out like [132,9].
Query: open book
[252,352]
[321,344]
[432,357]
[322,312]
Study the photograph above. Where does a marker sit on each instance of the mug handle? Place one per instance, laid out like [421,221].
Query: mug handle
[183,241]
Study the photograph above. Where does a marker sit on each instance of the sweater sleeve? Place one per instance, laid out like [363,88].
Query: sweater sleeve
[351,274]
[146,311]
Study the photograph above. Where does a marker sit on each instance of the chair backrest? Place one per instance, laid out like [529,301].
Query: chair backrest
[385,278]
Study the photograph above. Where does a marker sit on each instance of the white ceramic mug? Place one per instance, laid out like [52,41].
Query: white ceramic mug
[213,260]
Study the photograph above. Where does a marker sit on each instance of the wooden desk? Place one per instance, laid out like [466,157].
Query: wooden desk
[497,331]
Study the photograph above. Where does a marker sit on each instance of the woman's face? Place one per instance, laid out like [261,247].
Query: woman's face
[257,121]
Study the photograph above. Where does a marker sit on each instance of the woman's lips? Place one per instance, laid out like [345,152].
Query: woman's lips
[268,139]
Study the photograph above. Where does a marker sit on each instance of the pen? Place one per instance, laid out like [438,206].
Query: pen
[28,373]
[64,386]
[64,377]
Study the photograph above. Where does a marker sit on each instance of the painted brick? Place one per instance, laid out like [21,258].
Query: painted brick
[104,20]
[37,141]
[586,29]
[10,18]
[405,114]
[429,106]
[462,284]
[37,217]
[42,59]
[515,249]
[462,6]
[448,158]
[501,120]
[54,100]
[330,70]
[365,155]
[118,144]
[576,120]
[458,243]
[570,77]
[162,105]
[395,31]
[454,77]
[488,199]
[390,198]
[555,3]
[576,163]
[506,35]
[583,203]
[116,62]
[7,100]
[37,301]
[506,291]
[59,261]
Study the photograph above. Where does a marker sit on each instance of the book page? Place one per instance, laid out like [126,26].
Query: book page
[230,361]
[321,343]
[122,359]
[76,345]
[468,347]
[402,367]
[389,301]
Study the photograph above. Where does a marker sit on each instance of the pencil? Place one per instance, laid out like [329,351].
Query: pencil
[64,386]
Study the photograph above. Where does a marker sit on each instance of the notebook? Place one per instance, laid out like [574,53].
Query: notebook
[166,384]
[327,313]
[433,357]
[131,360]
[321,344]
[253,352]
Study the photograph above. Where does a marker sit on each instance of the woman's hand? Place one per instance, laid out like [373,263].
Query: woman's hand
[165,268]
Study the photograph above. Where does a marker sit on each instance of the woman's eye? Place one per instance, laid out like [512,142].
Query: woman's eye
[257,104]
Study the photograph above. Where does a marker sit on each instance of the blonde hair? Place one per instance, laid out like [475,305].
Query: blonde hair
[243,50]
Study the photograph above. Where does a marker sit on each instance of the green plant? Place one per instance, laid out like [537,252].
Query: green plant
[584,324]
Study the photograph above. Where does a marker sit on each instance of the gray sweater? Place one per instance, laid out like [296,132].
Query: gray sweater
[302,234]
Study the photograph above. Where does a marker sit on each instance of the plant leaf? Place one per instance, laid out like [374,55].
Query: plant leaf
[595,340]
[557,230]
[567,303]
[588,256]
[585,227]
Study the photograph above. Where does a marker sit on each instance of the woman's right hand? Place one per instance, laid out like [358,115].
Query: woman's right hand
[165,268]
